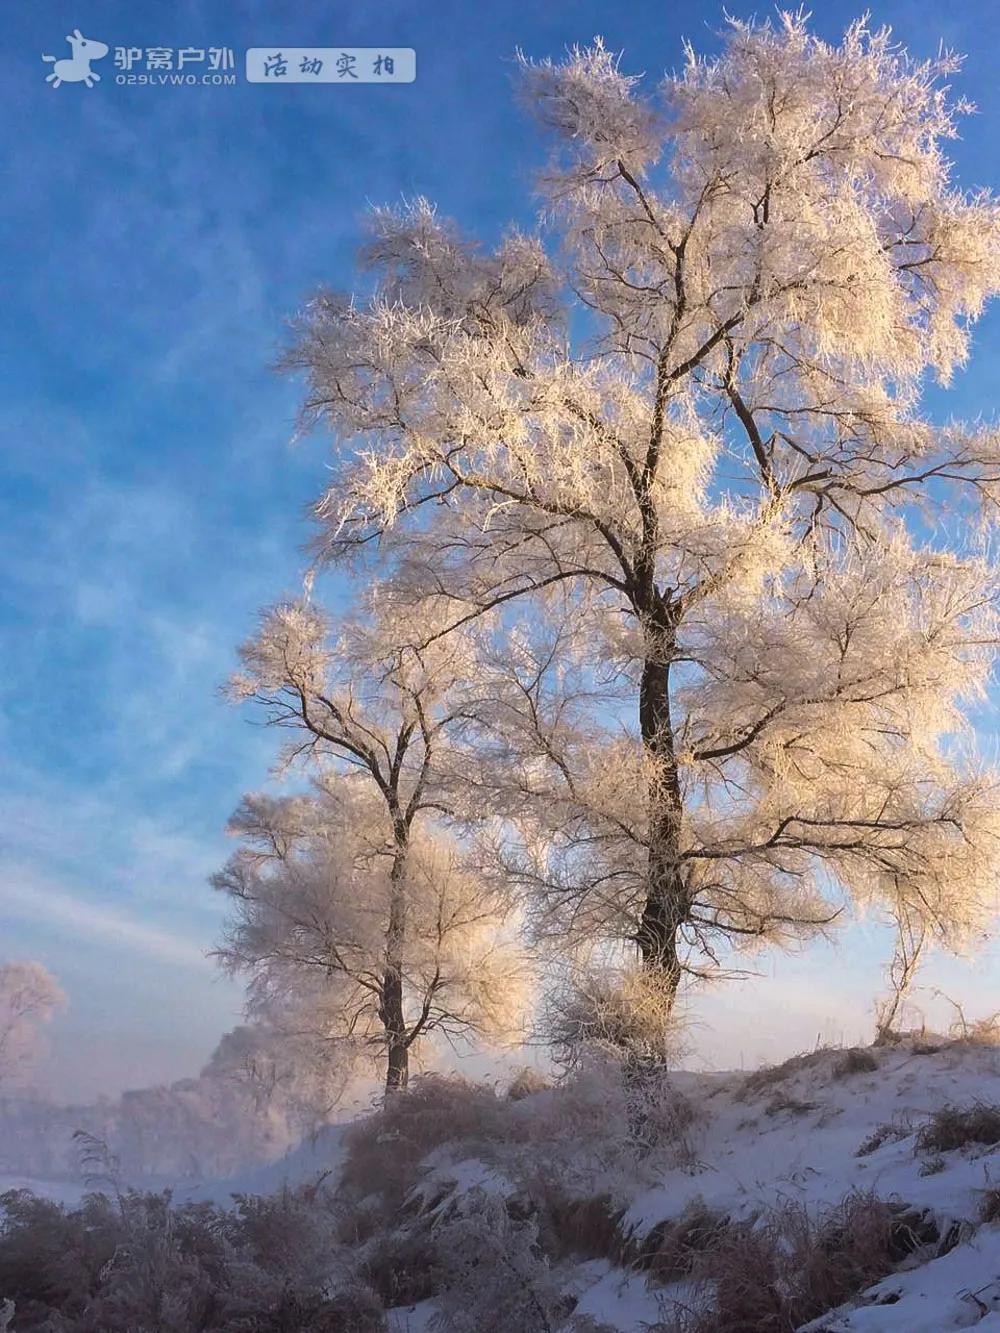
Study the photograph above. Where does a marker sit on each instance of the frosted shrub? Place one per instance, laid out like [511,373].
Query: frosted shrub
[599,1127]
[496,1277]
[402,1266]
[136,1262]
[622,1012]
[385,1149]
[287,1235]
[525,1083]
[351,1309]
[581,1129]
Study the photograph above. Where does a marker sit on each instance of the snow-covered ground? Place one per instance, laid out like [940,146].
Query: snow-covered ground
[793,1134]
[764,1142]
[807,1133]
[760,1141]
[961,1289]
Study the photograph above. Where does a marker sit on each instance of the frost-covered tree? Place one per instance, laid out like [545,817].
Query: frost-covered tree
[684,426]
[293,1077]
[360,922]
[29,997]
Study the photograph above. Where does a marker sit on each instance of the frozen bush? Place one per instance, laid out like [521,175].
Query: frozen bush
[52,1260]
[603,1123]
[351,1309]
[385,1149]
[138,1262]
[525,1083]
[286,1235]
[496,1277]
[626,1012]
[402,1266]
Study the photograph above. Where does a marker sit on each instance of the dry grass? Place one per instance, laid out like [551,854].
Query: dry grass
[765,1079]
[384,1151]
[955,1127]
[856,1060]
[784,1104]
[976,1032]
[886,1133]
[842,1064]
[933,1166]
[924,1047]
[775,1274]
[586,1228]
[962,1031]
[670,1251]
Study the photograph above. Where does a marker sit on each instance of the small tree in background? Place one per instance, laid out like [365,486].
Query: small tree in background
[29,997]
[686,438]
[912,937]
[359,921]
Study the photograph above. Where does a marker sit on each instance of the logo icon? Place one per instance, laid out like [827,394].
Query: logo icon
[77,68]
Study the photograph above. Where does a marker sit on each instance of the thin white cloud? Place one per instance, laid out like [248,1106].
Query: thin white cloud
[33,902]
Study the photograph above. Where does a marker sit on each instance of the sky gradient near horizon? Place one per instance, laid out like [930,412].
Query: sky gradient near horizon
[152,501]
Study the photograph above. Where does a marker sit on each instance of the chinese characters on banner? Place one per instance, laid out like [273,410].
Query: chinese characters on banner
[331,64]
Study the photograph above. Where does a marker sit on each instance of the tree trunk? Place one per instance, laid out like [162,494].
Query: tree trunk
[391,999]
[666,905]
[397,1070]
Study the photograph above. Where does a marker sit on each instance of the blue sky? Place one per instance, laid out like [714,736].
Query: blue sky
[151,499]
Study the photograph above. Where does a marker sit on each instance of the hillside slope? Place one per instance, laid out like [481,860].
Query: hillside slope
[844,1191]
[903,1140]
